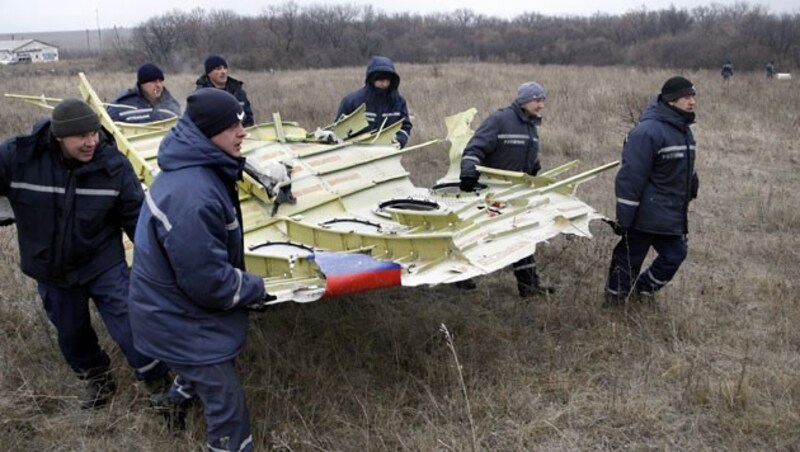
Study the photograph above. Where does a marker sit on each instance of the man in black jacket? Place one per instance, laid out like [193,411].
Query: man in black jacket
[148,101]
[381,94]
[654,186]
[73,193]
[727,71]
[216,76]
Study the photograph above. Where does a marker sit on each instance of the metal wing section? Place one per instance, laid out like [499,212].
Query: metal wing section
[353,220]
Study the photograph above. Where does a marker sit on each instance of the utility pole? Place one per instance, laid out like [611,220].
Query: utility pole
[99,35]
[88,45]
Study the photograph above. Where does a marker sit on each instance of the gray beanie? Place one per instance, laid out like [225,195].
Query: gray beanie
[73,117]
[529,91]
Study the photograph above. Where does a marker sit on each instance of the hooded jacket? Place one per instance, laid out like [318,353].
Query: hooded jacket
[188,285]
[69,214]
[508,139]
[166,107]
[657,179]
[235,87]
[384,107]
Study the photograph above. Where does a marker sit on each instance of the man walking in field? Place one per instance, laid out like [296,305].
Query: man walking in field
[385,104]
[148,101]
[216,76]
[509,139]
[190,295]
[727,71]
[654,185]
[73,193]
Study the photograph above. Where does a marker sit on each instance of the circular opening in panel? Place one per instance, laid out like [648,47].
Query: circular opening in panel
[408,205]
[351,225]
[282,249]
[423,205]
[452,188]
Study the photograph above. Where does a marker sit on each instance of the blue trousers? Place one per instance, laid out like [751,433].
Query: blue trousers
[68,310]
[218,387]
[629,255]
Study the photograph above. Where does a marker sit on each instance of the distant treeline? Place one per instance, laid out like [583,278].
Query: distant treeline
[289,37]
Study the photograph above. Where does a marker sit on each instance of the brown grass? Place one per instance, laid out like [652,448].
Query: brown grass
[714,366]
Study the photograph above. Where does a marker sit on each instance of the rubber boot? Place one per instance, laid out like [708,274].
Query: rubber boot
[100,387]
[174,414]
[467,284]
[160,384]
[526,291]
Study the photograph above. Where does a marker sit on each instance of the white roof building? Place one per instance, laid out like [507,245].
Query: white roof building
[28,51]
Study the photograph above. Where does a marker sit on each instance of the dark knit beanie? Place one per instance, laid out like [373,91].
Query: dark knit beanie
[213,62]
[73,117]
[529,91]
[148,72]
[213,110]
[677,87]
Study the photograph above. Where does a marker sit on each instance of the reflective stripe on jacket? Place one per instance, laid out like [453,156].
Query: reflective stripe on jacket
[142,112]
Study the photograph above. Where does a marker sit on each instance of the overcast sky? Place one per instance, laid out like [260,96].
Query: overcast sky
[65,15]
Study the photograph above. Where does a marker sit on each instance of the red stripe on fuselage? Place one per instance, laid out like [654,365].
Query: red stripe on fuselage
[348,283]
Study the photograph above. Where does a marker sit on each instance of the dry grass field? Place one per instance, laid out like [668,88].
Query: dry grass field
[714,365]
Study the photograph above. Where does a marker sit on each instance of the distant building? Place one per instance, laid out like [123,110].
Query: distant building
[27,51]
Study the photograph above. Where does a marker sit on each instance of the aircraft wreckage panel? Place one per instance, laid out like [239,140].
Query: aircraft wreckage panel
[325,216]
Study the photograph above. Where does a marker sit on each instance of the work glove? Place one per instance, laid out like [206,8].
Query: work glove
[401,138]
[468,183]
[616,227]
[536,168]
[6,221]
[262,304]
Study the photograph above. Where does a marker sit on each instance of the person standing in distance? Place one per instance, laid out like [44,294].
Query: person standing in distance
[727,71]
[216,76]
[770,68]
[385,104]
[148,101]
